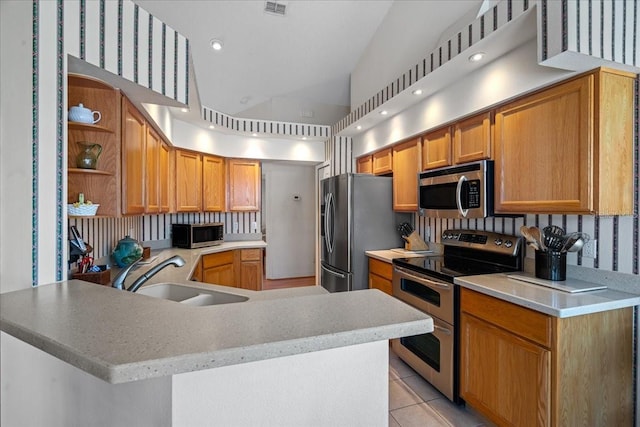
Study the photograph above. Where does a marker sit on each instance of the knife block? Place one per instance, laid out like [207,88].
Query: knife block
[415,243]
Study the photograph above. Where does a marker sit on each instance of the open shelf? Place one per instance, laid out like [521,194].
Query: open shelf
[88,126]
[90,171]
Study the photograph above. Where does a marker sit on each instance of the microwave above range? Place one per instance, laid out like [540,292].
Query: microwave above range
[464,191]
[192,236]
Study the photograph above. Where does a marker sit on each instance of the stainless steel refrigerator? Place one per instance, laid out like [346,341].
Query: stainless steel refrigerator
[356,215]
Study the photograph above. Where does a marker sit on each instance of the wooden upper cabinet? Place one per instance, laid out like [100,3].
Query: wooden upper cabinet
[165,178]
[364,164]
[436,149]
[133,159]
[188,181]
[244,180]
[472,139]
[406,166]
[568,149]
[153,144]
[383,162]
[213,183]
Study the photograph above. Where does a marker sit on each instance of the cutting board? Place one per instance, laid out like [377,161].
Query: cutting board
[571,286]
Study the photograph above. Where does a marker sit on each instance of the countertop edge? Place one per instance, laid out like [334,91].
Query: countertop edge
[255,353]
[622,299]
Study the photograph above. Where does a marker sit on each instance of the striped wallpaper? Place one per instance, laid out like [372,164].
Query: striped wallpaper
[124,39]
[103,233]
[338,152]
[606,29]
[264,126]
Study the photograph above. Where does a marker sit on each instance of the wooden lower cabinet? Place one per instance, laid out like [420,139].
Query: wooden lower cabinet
[499,365]
[240,268]
[380,275]
[218,268]
[250,269]
[520,367]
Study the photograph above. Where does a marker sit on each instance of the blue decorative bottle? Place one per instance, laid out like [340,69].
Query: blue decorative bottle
[126,251]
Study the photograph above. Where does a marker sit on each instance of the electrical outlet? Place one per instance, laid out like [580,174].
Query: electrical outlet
[254,226]
[236,227]
[590,249]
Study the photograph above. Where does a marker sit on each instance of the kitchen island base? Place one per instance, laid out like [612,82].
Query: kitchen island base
[339,386]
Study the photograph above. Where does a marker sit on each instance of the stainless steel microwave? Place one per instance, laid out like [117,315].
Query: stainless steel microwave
[464,191]
[192,236]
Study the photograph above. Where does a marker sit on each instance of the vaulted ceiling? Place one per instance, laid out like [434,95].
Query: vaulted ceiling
[295,67]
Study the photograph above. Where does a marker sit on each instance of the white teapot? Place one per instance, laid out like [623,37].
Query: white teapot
[81,114]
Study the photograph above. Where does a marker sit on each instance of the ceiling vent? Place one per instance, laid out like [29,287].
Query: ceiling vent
[275,8]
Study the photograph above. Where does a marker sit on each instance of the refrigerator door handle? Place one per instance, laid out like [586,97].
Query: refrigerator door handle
[335,273]
[328,235]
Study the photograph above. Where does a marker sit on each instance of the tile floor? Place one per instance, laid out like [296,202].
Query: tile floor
[414,402]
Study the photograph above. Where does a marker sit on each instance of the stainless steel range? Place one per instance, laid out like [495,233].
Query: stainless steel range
[427,284]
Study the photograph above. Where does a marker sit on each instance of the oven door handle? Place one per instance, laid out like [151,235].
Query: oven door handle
[461,181]
[422,279]
[441,329]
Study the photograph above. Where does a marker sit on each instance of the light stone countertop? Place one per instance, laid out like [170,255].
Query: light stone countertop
[546,300]
[388,255]
[120,336]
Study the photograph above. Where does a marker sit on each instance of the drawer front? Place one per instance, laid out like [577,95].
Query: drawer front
[529,324]
[381,268]
[214,260]
[377,282]
[250,254]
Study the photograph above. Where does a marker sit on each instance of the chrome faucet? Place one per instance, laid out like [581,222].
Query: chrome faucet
[118,282]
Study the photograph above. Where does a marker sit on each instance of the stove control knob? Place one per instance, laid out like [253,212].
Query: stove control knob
[498,242]
[444,235]
[508,243]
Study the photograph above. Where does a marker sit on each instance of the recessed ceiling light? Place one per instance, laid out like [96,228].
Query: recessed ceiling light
[476,57]
[212,127]
[417,92]
[184,110]
[216,44]
[384,112]
[304,138]
[254,134]
[358,127]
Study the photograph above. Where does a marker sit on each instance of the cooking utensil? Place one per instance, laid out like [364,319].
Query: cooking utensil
[524,230]
[537,235]
[553,237]
[579,243]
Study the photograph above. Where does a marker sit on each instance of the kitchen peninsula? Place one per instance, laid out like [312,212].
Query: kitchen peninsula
[99,356]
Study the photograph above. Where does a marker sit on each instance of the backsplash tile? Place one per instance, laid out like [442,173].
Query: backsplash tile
[103,233]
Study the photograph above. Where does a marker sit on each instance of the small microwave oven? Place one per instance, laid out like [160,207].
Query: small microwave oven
[464,191]
[192,236]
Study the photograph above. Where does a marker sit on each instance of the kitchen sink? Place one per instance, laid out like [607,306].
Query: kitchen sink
[189,295]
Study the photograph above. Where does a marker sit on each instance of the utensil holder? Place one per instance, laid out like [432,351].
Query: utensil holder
[551,265]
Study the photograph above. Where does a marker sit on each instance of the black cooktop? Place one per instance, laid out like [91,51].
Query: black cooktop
[482,253]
